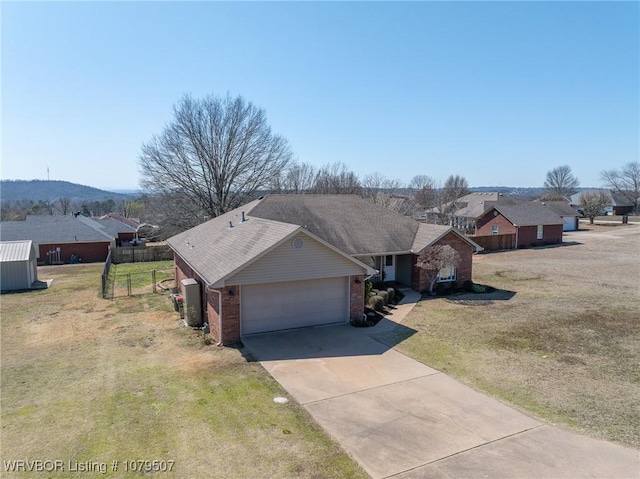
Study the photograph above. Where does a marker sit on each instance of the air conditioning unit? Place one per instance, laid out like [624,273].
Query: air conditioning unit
[192,302]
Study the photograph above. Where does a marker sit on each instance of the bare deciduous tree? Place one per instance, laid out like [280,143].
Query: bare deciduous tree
[426,191]
[625,182]
[435,258]
[455,187]
[297,178]
[213,156]
[336,178]
[64,205]
[593,202]
[383,191]
[439,201]
[560,182]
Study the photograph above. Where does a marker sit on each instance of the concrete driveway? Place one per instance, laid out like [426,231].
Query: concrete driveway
[398,417]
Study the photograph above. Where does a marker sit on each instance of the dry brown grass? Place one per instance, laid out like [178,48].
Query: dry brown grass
[565,347]
[87,379]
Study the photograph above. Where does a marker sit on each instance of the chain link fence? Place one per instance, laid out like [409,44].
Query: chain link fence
[119,284]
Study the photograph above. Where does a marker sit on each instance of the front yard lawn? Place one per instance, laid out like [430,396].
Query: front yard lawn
[87,380]
[565,347]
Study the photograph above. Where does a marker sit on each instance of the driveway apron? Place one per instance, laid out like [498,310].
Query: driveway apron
[400,418]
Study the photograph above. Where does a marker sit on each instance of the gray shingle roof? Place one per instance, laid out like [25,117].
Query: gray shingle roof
[348,222]
[114,227]
[52,229]
[11,251]
[561,208]
[215,250]
[474,204]
[616,198]
[529,214]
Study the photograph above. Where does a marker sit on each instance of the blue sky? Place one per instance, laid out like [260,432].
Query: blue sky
[499,92]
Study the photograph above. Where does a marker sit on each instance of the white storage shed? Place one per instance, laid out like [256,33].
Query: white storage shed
[18,265]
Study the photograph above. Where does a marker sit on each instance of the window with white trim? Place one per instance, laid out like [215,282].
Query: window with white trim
[494,230]
[540,234]
[447,274]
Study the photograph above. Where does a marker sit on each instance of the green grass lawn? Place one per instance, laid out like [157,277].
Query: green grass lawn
[86,379]
[139,277]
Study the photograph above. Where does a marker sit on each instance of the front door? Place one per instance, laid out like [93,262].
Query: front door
[389,267]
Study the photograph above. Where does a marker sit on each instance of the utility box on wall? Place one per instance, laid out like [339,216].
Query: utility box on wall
[192,302]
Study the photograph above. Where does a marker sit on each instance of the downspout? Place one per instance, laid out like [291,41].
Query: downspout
[219,343]
[517,229]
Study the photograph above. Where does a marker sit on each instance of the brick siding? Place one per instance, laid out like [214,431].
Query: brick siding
[464,271]
[356,297]
[93,252]
[230,314]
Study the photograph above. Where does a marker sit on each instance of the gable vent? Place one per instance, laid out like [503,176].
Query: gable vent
[297,243]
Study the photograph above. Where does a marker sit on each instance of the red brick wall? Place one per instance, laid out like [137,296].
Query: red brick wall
[485,224]
[465,250]
[230,314]
[420,278]
[528,235]
[213,306]
[356,300]
[89,252]
[183,270]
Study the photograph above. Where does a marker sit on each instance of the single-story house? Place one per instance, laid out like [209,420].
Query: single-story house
[289,261]
[17,265]
[518,226]
[618,204]
[66,238]
[465,211]
[569,215]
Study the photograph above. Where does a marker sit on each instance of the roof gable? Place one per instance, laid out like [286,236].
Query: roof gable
[313,259]
[429,234]
[226,245]
[348,222]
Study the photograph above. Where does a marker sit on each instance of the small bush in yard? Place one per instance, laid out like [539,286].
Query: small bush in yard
[478,288]
[377,303]
[368,287]
[392,294]
[384,296]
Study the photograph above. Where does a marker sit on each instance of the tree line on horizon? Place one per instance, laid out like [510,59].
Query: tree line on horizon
[217,153]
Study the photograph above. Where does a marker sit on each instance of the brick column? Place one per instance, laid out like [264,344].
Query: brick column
[230,314]
[356,297]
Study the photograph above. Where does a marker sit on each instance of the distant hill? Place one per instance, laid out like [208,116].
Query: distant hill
[43,190]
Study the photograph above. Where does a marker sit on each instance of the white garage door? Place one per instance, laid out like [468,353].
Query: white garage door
[294,304]
[569,223]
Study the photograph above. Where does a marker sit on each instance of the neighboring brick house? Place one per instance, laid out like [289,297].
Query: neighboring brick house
[464,211]
[66,238]
[518,226]
[287,261]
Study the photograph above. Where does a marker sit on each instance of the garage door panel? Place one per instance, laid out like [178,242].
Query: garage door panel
[295,304]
